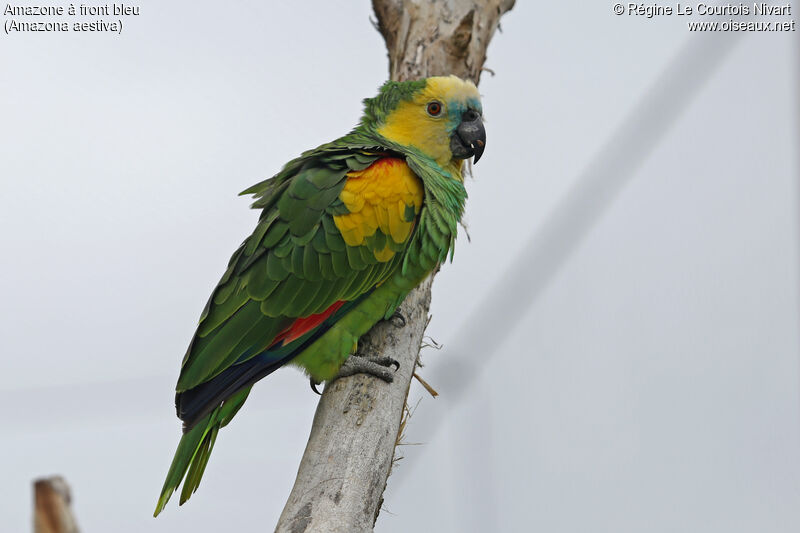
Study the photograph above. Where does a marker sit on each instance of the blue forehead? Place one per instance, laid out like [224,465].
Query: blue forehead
[457,108]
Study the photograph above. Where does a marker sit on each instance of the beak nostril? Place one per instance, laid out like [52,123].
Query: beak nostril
[470,115]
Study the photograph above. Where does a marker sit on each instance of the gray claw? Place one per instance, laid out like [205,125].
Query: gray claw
[378,366]
[398,320]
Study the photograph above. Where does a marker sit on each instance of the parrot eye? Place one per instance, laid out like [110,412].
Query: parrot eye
[434,109]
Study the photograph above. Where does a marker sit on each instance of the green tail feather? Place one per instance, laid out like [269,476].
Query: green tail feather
[194,449]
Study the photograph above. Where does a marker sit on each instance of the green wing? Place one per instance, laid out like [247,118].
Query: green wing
[295,264]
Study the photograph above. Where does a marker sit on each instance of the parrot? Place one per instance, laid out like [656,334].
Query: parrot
[345,232]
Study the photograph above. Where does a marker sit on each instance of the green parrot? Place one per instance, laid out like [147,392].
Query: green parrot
[346,231]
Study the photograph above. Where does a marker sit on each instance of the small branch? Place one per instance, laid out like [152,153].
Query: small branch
[426,385]
[52,513]
[350,451]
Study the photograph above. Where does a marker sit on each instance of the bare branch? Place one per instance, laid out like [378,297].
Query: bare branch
[52,513]
[426,38]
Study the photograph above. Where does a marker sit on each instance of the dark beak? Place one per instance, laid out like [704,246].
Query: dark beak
[469,139]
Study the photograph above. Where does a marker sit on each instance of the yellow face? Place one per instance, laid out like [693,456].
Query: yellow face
[429,120]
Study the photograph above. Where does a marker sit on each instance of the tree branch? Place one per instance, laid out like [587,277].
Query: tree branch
[343,473]
[52,513]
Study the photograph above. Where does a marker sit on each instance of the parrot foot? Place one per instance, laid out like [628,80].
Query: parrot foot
[398,320]
[373,365]
[314,386]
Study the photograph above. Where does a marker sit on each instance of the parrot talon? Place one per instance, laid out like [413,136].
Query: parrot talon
[377,366]
[314,386]
[398,320]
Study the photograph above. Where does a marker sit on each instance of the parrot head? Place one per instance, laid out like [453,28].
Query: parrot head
[438,116]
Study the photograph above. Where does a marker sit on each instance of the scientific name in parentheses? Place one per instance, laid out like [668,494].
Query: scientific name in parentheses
[760,8]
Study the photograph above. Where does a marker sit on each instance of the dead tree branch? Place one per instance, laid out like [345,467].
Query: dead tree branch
[52,513]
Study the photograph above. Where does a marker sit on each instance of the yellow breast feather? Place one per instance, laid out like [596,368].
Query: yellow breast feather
[380,199]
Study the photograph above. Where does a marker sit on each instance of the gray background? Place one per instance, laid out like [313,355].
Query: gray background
[635,370]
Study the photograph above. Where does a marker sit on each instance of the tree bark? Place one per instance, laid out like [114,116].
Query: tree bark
[348,458]
[437,38]
[52,513]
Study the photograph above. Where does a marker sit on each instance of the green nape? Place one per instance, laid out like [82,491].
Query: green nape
[390,94]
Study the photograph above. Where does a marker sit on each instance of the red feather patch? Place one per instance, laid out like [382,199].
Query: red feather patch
[301,326]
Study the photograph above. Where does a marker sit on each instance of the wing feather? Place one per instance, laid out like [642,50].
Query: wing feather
[295,264]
